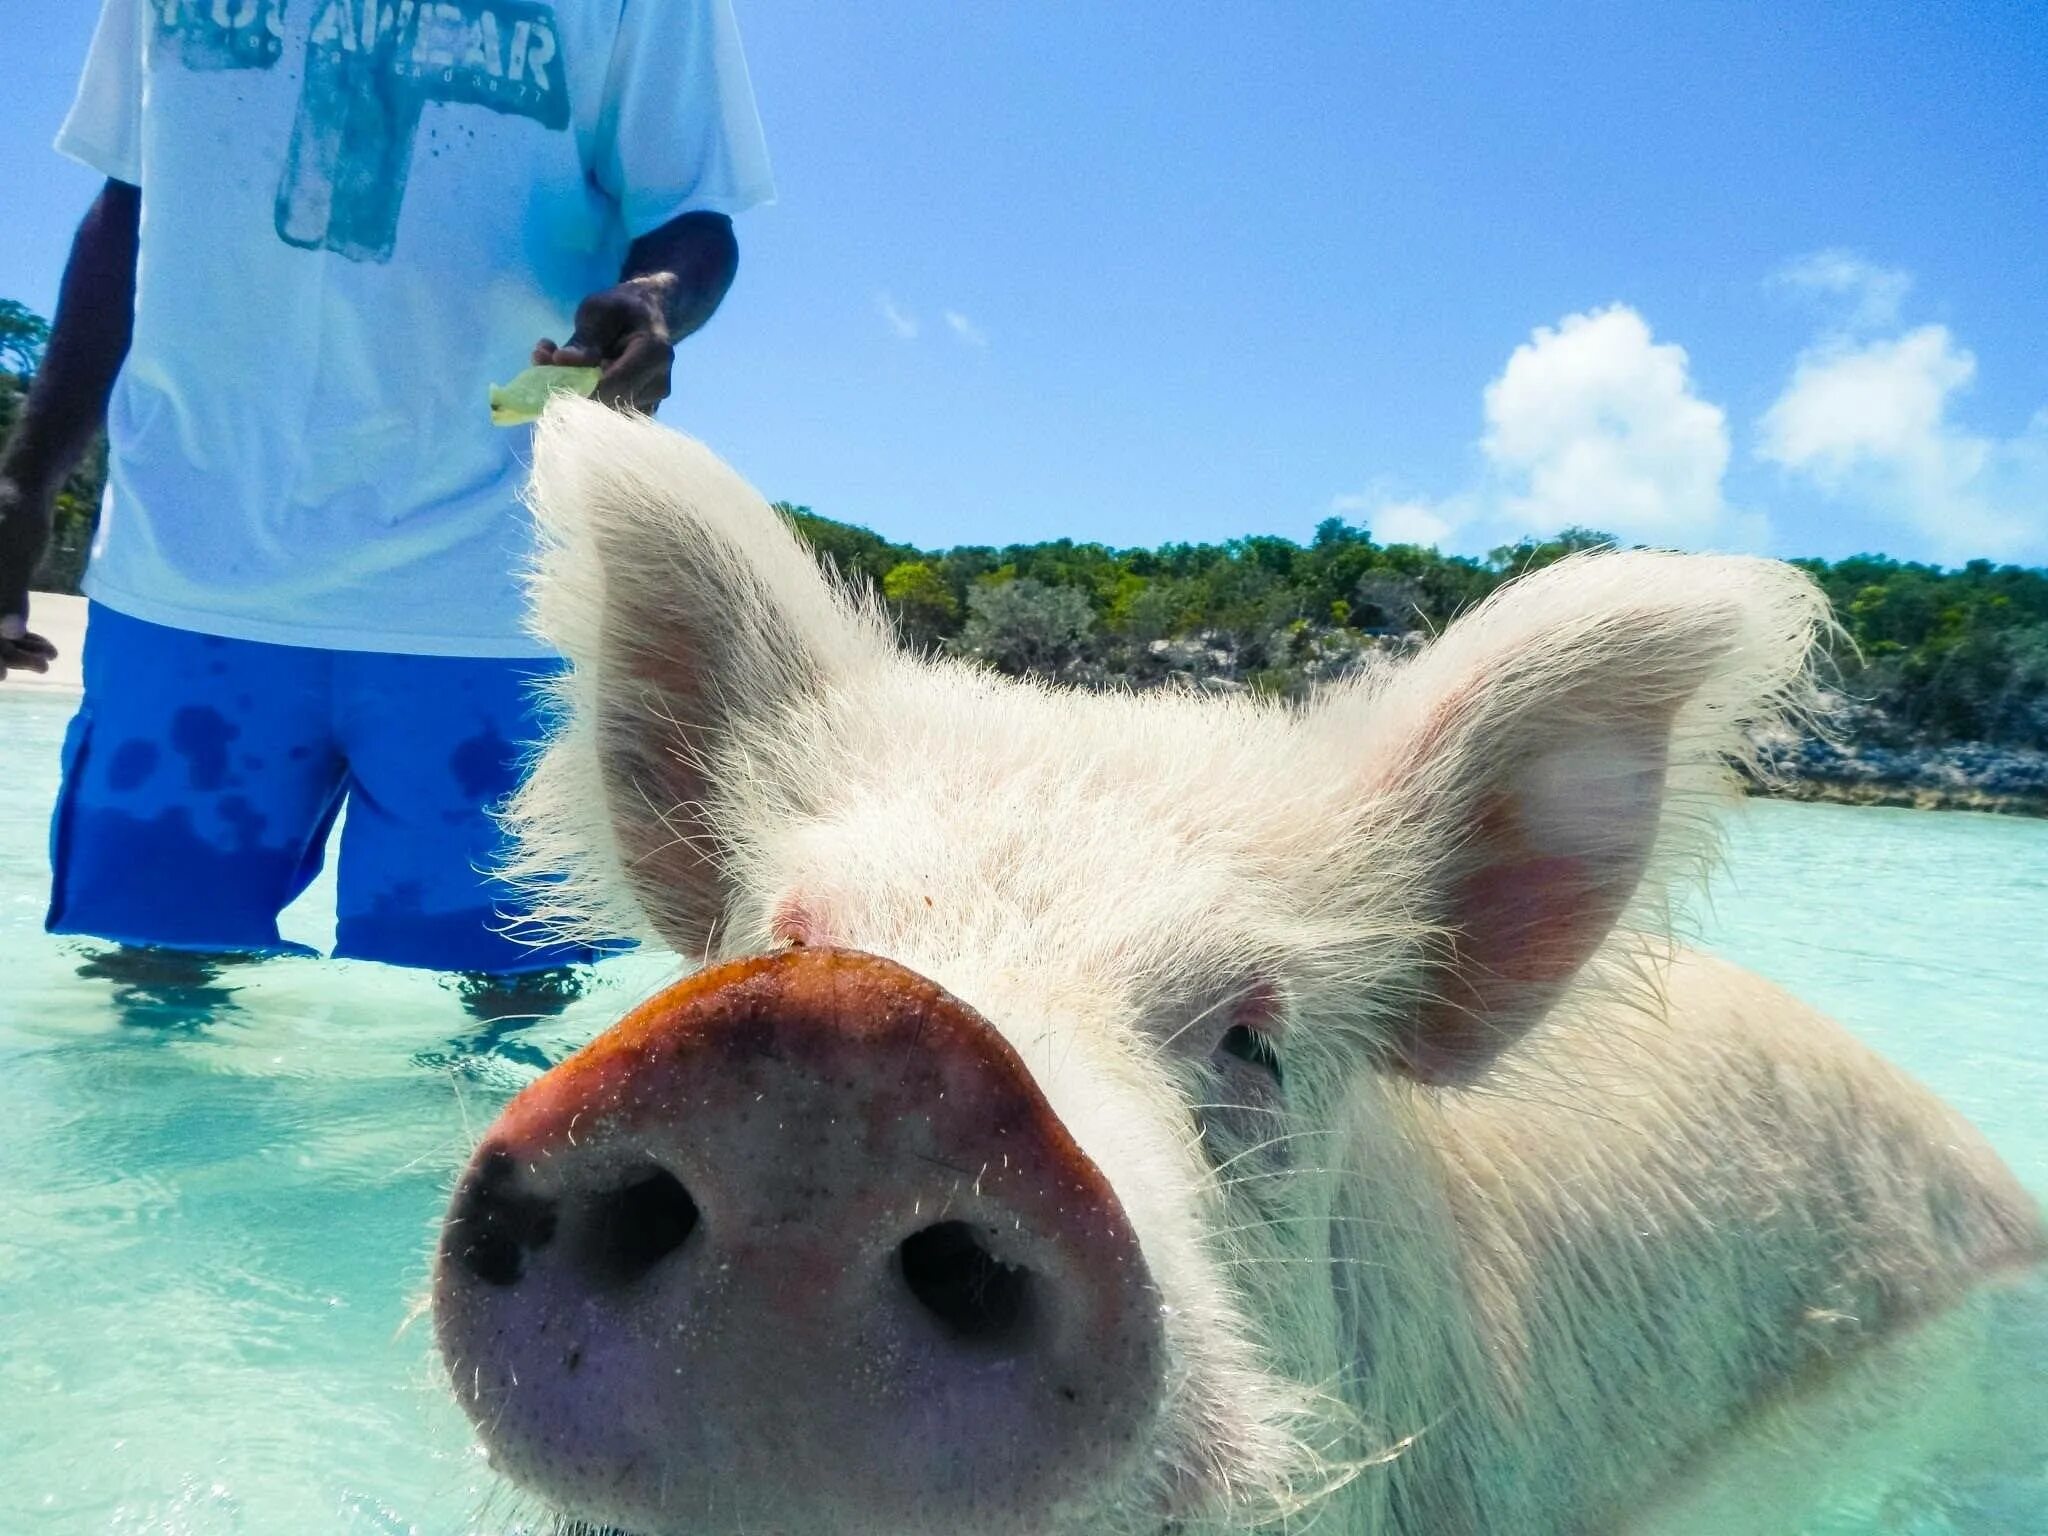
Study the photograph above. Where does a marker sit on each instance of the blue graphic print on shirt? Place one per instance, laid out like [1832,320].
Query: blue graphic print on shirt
[222,34]
[372,66]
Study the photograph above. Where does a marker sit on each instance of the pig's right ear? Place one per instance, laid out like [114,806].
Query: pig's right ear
[694,621]
[1545,766]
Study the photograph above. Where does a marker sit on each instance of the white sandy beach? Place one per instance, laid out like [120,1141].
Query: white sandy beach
[60,618]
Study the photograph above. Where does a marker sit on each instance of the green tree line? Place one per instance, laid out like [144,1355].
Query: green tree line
[1938,655]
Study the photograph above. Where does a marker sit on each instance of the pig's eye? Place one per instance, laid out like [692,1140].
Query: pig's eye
[1254,1046]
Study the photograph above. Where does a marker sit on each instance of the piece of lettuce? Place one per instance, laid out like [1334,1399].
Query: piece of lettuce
[527,395]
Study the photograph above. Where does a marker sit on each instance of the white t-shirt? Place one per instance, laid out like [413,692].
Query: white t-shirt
[357,215]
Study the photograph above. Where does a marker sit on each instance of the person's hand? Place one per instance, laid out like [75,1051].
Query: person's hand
[624,331]
[24,529]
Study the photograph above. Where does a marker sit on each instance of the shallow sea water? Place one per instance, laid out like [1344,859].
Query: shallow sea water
[217,1227]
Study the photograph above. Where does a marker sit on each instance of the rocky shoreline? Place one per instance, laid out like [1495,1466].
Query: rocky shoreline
[1853,755]
[1911,797]
[1961,776]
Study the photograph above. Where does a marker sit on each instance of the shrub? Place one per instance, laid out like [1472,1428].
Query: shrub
[1025,626]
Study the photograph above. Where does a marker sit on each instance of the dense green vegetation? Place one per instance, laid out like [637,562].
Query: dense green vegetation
[1937,655]
[1944,655]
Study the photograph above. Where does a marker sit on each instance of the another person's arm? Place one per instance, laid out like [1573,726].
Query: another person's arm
[66,404]
[675,278]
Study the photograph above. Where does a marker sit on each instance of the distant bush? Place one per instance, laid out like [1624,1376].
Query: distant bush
[925,606]
[1024,626]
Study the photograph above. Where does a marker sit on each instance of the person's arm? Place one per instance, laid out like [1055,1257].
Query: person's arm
[675,278]
[66,404]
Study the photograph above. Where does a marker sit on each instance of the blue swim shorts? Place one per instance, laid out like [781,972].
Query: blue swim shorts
[202,776]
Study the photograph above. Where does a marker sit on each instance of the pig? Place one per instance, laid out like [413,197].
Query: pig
[1136,1113]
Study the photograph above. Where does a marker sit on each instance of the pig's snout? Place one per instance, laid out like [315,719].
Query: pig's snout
[798,1246]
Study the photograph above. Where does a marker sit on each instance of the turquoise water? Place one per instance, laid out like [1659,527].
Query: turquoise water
[218,1228]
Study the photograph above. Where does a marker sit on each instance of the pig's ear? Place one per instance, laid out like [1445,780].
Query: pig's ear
[694,621]
[1549,761]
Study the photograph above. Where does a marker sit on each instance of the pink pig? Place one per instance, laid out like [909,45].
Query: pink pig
[1129,1114]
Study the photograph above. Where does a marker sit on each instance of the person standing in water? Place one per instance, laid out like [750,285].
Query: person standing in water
[327,227]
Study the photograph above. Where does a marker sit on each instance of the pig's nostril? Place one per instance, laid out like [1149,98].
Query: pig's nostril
[493,1226]
[972,1292]
[638,1224]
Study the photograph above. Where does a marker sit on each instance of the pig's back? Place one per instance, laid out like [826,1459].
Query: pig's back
[1664,1222]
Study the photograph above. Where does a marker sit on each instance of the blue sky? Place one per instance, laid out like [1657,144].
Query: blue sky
[1715,275]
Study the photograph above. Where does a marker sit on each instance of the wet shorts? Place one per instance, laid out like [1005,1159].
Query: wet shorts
[202,776]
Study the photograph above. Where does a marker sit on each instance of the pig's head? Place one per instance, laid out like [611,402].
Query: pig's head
[1057,1061]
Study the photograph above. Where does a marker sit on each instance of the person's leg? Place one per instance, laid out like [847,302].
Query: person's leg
[434,745]
[200,781]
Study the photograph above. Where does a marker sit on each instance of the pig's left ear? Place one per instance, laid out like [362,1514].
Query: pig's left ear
[1533,772]
[694,621]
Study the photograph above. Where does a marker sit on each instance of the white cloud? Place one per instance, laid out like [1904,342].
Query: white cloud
[1393,519]
[1595,423]
[1870,421]
[1871,295]
[1409,522]
[899,320]
[965,329]
[1886,400]
[1591,423]
[906,326]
